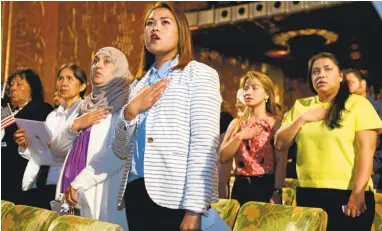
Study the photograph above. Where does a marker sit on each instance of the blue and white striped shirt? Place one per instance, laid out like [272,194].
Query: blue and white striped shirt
[137,170]
[182,135]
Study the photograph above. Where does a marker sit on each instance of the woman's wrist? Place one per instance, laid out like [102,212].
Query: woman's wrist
[239,137]
[130,113]
[191,213]
[302,119]
[358,191]
[75,126]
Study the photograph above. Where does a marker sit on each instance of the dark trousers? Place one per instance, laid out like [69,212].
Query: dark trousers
[332,200]
[143,214]
[39,197]
[253,188]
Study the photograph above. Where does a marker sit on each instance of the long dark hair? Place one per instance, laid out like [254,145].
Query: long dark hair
[184,41]
[78,72]
[334,116]
[34,81]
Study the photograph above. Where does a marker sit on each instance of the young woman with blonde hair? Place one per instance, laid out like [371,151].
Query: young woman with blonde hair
[260,170]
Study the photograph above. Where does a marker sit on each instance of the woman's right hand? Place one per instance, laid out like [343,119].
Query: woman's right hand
[314,115]
[145,99]
[89,119]
[20,138]
[250,132]
[70,196]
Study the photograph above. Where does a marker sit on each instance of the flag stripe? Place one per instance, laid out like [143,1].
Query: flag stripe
[7,117]
[6,122]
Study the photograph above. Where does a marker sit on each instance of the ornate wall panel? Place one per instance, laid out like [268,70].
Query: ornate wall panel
[187,6]
[5,20]
[45,35]
[30,42]
[85,27]
[231,69]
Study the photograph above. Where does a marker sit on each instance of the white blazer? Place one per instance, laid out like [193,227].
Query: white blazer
[182,132]
[101,177]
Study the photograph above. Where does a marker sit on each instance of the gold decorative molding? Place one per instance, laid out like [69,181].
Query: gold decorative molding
[282,39]
[9,36]
[68,35]
[30,44]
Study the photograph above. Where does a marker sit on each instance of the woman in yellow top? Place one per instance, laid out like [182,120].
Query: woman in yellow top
[336,136]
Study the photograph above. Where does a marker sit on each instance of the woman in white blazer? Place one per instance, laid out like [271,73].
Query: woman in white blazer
[90,166]
[41,168]
[168,133]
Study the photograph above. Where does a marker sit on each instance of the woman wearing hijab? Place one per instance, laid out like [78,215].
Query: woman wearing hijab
[90,165]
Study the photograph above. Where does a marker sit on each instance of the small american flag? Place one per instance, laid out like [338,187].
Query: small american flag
[7,117]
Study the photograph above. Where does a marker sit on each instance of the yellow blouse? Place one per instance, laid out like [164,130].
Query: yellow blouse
[326,158]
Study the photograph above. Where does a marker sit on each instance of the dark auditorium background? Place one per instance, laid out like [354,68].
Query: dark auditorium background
[277,39]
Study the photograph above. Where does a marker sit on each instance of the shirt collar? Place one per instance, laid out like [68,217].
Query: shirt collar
[163,70]
[68,111]
[324,105]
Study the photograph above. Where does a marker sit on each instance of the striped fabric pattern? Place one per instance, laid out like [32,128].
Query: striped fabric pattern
[7,118]
[182,132]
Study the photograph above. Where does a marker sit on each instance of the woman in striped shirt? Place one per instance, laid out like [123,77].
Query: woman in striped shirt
[168,133]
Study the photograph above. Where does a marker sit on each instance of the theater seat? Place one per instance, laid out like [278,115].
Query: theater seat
[5,207]
[271,217]
[377,223]
[26,218]
[227,209]
[288,196]
[290,183]
[76,223]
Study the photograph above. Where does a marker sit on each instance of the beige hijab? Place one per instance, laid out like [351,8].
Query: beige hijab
[113,94]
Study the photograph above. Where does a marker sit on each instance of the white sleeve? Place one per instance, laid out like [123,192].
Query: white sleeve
[124,134]
[63,141]
[205,119]
[24,152]
[103,164]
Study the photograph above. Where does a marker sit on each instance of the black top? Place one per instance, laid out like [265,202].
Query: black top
[12,164]
[225,120]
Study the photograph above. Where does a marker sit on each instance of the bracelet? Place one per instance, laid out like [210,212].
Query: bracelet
[278,191]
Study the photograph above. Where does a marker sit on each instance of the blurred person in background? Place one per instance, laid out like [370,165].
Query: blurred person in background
[379,94]
[57,100]
[224,167]
[240,103]
[71,85]
[26,95]
[358,85]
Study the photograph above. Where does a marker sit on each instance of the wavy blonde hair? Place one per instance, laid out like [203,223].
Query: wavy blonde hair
[267,84]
